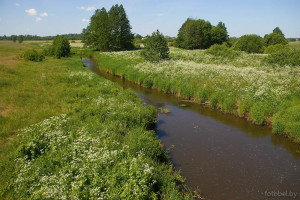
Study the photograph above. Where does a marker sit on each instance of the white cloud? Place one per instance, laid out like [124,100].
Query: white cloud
[31,11]
[90,8]
[44,14]
[85,20]
[17,4]
[160,14]
[38,19]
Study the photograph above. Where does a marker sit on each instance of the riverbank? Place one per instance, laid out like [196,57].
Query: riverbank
[67,133]
[243,86]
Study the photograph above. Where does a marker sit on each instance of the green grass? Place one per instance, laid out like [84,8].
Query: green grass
[67,133]
[243,85]
[295,45]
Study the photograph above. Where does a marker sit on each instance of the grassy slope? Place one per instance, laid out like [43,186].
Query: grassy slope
[78,136]
[243,86]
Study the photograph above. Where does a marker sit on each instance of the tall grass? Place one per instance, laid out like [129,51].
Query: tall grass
[74,135]
[242,84]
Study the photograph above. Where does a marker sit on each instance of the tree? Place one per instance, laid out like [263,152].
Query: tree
[138,36]
[156,47]
[194,34]
[61,46]
[249,43]
[121,36]
[278,31]
[218,35]
[14,38]
[109,31]
[97,34]
[274,38]
[20,38]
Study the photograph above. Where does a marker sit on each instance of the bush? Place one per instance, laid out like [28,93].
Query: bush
[249,44]
[33,55]
[61,46]
[276,48]
[156,47]
[284,57]
[222,51]
[274,38]
[48,51]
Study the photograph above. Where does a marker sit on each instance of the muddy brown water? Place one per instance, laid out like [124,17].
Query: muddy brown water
[224,156]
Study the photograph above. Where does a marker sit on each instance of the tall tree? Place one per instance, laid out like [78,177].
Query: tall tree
[109,31]
[121,36]
[278,31]
[194,34]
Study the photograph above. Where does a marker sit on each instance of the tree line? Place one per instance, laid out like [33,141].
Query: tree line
[71,36]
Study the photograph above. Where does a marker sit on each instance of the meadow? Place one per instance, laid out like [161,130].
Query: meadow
[67,133]
[241,84]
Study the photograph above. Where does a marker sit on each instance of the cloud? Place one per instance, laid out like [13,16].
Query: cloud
[90,8]
[160,14]
[31,11]
[85,20]
[44,14]
[38,19]
[17,4]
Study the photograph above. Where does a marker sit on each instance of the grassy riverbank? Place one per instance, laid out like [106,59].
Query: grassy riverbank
[242,85]
[67,133]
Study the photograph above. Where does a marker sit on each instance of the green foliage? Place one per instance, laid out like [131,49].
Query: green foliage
[102,148]
[222,51]
[249,44]
[276,48]
[219,34]
[194,34]
[61,46]
[34,55]
[274,38]
[109,31]
[14,38]
[20,38]
[156,47]
[287,120]
[277,30]
[257,113]
[284,57]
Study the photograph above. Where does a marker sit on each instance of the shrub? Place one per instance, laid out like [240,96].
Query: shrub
[284,57]
[276,48]
[61,46]
[222,51]
[156,47]
[48,51]
[274,38]
[33,55]
[249,44]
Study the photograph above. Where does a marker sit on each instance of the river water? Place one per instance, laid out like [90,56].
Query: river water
[225,157]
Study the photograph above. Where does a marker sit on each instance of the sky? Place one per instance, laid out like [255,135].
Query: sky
[52,17]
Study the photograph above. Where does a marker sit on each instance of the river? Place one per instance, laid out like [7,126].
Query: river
[226,157]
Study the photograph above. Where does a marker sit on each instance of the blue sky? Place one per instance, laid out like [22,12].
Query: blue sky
[51,17]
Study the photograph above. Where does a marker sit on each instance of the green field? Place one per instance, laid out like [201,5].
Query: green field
[66,133]
[295,45]
[243,85]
